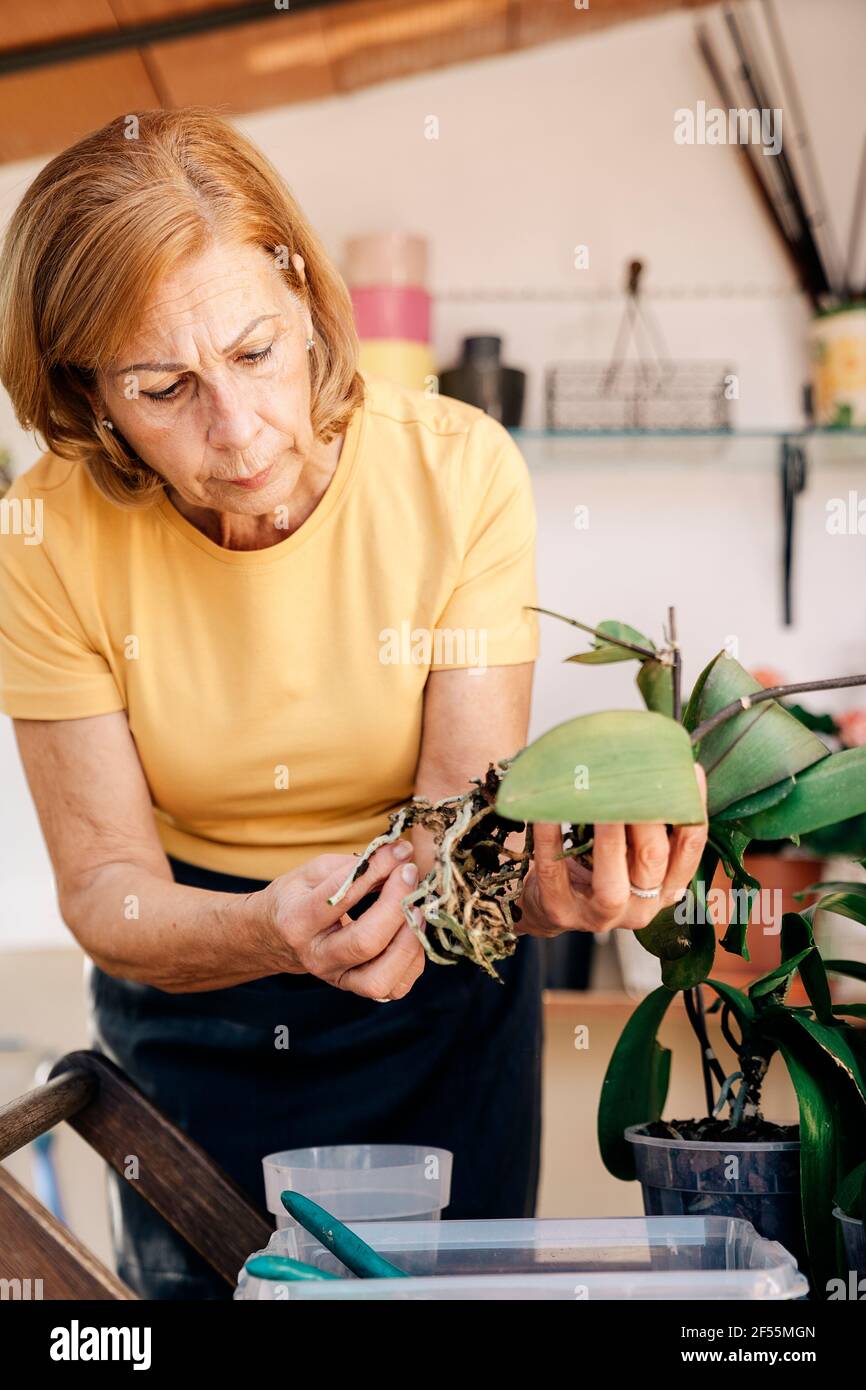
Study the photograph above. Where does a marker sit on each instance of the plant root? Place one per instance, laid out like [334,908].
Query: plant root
[469,897]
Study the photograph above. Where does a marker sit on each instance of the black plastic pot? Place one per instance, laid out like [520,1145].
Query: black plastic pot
[691,1177]
[854,1236]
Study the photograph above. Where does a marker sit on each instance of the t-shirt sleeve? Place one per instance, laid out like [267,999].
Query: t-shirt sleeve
[487,616]
[48,668]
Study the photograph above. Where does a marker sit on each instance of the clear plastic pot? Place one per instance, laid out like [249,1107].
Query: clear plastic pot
[854,1236]
[362,1182]
[759,1182]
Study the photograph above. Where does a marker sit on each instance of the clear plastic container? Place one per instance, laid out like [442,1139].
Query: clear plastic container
[685,1257]
[854,1236]
[361,1182]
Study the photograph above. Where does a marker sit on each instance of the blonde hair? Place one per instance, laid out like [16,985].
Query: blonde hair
[98,229]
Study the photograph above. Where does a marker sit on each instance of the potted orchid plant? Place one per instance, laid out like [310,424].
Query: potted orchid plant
[769,778]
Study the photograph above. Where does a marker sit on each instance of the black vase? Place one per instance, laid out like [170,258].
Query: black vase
[481,380]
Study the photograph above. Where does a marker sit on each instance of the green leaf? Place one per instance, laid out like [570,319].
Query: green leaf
[690,713]
[830,885]
[655,681]
[777,981]
[635,1085]
[834,1064]
[752,750]
[852,1010]
[831,1114]
[683,939]
[682,936]
[758,801]
[603,652]
[694,966]
[731,845]
[703,879]
[602,656]
[845,837]
[797,936]
[621,766]
[665,937]
[846,903]
[855,968]
[834,1040]
[851,1197]
[741,1004]
[831,791]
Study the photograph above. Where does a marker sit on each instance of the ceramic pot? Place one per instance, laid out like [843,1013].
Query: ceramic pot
[780,877]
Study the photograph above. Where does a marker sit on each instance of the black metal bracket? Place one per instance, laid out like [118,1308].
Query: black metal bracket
[793,468]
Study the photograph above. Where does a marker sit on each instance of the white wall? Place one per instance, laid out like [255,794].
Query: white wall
[700,528]
[539,151]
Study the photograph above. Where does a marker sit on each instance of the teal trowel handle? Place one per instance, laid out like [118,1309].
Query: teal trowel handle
[354,1252]
[280,1267]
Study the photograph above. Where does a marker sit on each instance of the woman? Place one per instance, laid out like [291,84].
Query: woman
[225,668]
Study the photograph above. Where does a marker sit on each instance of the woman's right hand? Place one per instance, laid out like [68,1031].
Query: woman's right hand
[377,956]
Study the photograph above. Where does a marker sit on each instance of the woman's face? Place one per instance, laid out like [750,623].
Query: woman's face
[213,390]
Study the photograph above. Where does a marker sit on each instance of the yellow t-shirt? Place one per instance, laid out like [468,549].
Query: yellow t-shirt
[275,696]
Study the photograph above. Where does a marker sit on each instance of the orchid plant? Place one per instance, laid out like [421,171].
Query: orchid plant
[769,777]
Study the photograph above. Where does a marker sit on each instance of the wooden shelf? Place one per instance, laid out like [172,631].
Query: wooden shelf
[570,1001]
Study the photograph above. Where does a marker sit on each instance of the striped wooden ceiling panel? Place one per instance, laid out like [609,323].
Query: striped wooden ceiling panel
[68,66]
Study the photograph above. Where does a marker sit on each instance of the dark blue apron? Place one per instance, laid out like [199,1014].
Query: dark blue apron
[456,1064]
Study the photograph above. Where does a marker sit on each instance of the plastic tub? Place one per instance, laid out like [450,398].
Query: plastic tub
[361,1182]
[854,1236]
[694,1177]
[686,1257]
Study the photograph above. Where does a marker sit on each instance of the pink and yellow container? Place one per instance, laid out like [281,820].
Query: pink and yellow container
[387,278]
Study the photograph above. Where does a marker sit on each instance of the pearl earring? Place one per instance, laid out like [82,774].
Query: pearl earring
[311,342]
[107,423]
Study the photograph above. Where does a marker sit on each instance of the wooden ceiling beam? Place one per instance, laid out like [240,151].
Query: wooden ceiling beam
[313,50]
[41,112]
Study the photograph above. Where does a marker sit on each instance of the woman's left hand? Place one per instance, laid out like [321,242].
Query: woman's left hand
[561,894]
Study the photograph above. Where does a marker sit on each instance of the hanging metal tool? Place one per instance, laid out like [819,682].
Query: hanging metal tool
[793,473]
